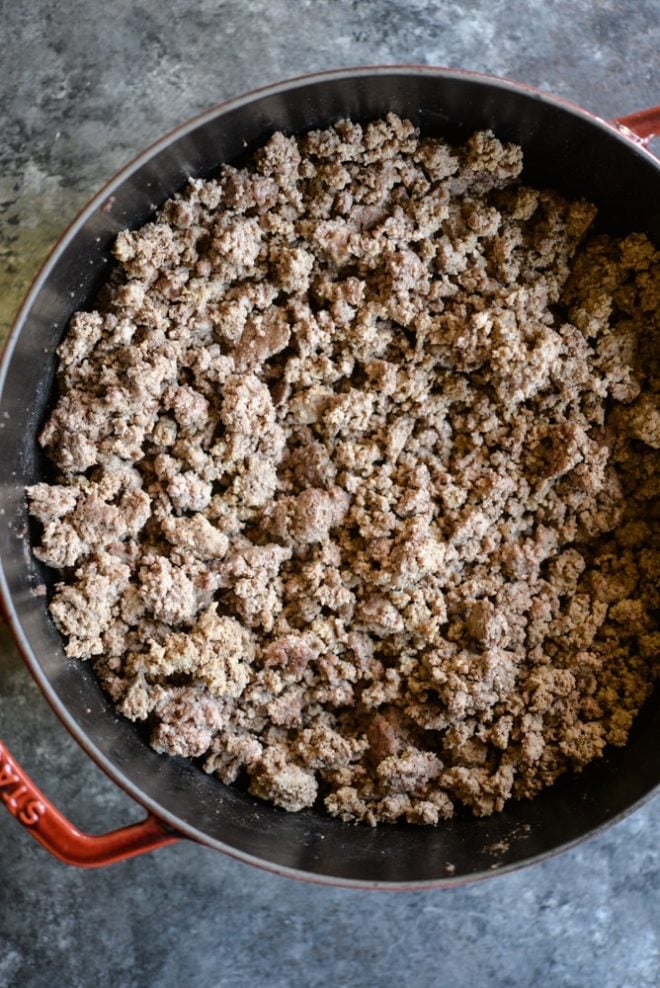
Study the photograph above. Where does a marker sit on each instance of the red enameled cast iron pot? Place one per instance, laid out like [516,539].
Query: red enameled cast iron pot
[566,148]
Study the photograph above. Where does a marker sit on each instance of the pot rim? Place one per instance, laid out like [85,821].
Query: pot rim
[96,202]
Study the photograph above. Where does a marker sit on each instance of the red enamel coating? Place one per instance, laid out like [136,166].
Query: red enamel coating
[641,126]
[59,836]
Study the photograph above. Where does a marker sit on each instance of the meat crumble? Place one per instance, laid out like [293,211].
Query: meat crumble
[357,476]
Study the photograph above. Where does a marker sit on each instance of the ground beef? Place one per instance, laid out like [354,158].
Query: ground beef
[357,476]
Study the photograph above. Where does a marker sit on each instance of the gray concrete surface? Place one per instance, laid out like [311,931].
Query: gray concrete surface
[83,86]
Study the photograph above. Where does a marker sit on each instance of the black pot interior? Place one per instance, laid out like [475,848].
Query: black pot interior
[563,149]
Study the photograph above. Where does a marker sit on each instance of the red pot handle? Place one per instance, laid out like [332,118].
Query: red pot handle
[641,126]
[59,836]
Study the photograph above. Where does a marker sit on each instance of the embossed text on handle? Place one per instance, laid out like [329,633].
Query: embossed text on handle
[16,795]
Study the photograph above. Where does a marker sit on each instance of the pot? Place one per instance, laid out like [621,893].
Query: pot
[566,148]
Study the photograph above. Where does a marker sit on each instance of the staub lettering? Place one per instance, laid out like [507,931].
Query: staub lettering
[16,795]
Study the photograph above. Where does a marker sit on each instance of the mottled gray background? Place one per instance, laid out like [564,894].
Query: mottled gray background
[84,85]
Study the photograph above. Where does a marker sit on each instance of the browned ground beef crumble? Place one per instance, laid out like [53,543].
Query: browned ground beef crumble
[358,474]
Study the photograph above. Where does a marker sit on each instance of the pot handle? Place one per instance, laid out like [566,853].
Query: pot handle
[640,127]
[59,836]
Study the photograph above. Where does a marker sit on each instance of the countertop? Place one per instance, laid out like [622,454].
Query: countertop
[84,86]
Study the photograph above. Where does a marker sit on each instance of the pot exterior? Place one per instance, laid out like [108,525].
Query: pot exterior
[565,148]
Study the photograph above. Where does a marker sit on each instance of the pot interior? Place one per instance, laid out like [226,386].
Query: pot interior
[563,149]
